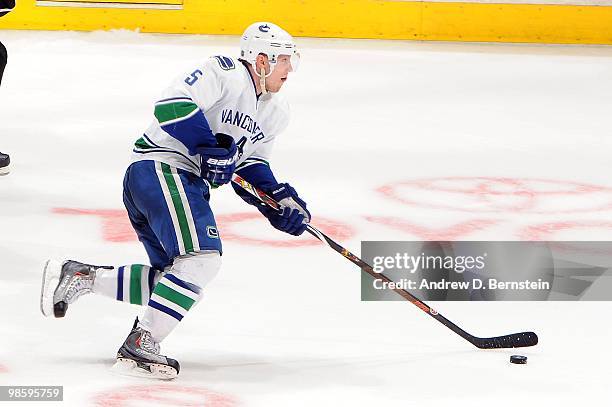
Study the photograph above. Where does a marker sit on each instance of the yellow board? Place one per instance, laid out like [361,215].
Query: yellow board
[382,19]
[78,3]
[517,23]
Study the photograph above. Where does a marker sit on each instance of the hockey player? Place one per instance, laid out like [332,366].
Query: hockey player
[218,118]
[5,7]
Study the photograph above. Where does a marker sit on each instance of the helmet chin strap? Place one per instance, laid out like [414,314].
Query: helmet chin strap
[262,81]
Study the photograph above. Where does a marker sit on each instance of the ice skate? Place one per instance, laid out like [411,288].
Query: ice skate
[5,160]
[139,356]
[63,283]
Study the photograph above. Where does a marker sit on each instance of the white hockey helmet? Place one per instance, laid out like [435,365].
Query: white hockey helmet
[269,39]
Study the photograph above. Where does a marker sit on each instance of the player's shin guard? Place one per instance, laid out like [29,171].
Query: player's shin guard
[131,283]
[178,291]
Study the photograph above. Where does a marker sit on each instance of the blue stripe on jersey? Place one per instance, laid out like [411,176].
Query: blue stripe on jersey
[144,135]
[120,284]
[188,286]
[259,174]
[194,133]
[151,279]
[165,309]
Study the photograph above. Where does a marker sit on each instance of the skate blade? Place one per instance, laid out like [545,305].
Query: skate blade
[50,280]
[129,367]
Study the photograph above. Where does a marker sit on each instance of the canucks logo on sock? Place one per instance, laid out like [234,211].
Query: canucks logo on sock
[212,232]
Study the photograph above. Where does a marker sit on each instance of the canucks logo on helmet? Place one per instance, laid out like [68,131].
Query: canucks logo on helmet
[267,38]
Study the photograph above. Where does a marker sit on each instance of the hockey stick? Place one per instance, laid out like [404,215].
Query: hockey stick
[517,340]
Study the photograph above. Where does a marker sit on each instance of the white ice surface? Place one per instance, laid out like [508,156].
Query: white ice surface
[284,326]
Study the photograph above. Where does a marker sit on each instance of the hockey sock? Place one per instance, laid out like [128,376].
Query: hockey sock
[131,283]
[170,301]
[178,291]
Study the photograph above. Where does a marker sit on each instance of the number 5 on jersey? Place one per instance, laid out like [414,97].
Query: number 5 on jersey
[190,80]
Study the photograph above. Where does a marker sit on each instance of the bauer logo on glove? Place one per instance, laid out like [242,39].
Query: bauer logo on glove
[216,161]
[219,162]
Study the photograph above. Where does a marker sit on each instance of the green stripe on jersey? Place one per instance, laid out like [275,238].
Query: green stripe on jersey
[174,296]
[135,288]
[178,207]
[142,144]
[172,111]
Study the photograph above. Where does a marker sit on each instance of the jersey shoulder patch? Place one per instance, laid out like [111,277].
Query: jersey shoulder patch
[226,63]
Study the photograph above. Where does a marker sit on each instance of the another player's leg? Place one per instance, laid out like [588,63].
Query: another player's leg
[4,158]
[176,206]
[3,60]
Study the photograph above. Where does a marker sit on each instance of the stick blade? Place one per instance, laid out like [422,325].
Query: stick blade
[518,340]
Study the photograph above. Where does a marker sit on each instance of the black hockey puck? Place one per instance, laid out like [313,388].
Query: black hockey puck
[518,359]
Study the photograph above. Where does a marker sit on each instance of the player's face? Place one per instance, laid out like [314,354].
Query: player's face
[280,73]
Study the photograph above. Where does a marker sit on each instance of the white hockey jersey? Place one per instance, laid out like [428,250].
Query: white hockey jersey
[218,96]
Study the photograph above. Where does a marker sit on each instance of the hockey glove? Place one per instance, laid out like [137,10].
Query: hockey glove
[219,162]
[293,216]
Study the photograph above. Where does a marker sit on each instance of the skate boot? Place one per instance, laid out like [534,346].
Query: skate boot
[5,160]
[139,356]
[63,283]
